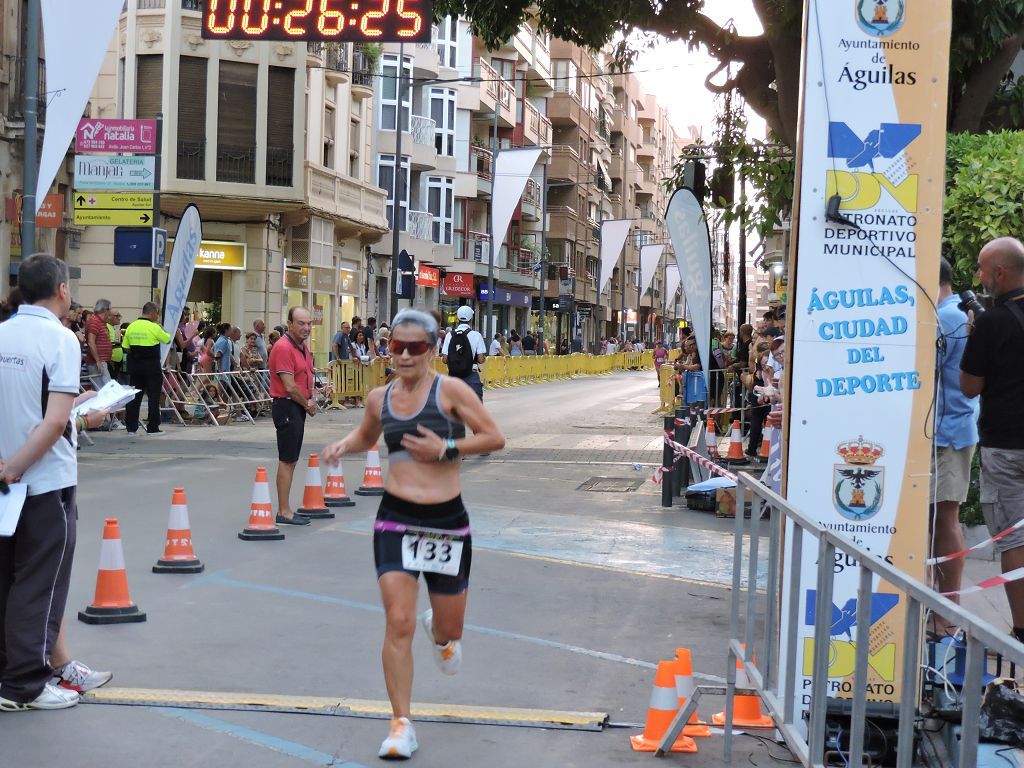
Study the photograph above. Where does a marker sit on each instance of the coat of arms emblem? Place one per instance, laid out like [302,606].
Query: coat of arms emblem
[857,484]
[880,18]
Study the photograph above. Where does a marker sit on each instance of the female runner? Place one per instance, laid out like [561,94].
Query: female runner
[422,525]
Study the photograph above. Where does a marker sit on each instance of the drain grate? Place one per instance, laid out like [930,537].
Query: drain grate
[610,484]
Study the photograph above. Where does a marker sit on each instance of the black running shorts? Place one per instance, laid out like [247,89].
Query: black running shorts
[290,422]
[395,514]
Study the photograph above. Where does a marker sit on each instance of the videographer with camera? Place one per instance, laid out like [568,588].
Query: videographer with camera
[993,367]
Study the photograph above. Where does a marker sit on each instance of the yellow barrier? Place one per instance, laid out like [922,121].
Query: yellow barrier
[352,379]
[667,391]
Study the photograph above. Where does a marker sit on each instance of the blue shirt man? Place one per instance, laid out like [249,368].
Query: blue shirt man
[957,414]
[222,351]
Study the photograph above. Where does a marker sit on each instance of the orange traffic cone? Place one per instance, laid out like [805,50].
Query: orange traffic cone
[735,454]
[746,710]
[711,439]
[313,494]
[335,494]
[663,707]
[179,557]
[373,478]
[111,605]
[684,690]
[766,442]
[261,514]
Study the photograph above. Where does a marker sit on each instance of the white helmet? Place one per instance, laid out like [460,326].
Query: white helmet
[465,314]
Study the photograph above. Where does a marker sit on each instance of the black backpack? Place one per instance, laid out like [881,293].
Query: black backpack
[460,355]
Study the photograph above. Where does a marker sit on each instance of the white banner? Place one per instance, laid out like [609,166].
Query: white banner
[862,346]
[512,168]
[179,274]
[613,237]
[650,257]
[688,230]
[671,286]
[75,38]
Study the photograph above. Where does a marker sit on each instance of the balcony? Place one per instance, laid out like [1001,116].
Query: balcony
[506,103]
[420,226]
[648,149]
[236,164]
[481,165]
[565,163]
[536,127]
[648,184]
[562,222]
[362,75]
[472,246]
[564,107]
[424,147]
[488,80]
[345,199]
[15,90]
[531,202]
[191,161]
[279,166]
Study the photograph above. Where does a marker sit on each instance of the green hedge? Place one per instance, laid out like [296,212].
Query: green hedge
[984,196]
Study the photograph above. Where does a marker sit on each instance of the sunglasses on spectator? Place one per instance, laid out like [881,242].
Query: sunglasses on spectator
[414,348]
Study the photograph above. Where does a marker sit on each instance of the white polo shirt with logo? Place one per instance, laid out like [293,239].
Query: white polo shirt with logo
[38,356]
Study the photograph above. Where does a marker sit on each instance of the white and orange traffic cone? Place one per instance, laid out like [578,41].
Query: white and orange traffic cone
[735,454]
[683,668]
[711,439]
[766,442]
[660,713]
[746,710]
[313,493]
[373,477]
[335,494]
[262,526]
[179,556]
[111,605]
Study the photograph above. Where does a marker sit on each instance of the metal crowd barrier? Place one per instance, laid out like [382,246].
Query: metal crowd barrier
[215,398]
[763,613]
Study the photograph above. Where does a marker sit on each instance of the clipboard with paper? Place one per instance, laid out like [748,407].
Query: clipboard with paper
[11,504]
[113,396]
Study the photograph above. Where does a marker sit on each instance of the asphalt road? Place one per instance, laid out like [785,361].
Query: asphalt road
[575,596]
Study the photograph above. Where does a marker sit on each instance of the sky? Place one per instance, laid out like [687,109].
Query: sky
[676,76]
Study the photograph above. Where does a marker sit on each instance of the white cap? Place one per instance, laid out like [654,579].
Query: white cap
[465,314]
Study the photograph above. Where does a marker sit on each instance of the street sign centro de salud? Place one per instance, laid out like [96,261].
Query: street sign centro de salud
[121,172]
[117,209]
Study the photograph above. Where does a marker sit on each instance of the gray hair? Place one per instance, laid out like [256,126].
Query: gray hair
[418,318]
[102,305]
[40,276]
[149,308]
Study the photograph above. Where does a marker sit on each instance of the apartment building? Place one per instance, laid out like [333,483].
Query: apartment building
[460,105]
[270,141]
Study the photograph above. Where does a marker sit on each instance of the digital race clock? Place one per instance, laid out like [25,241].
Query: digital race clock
[379,21]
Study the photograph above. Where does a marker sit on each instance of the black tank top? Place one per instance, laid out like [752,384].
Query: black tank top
[430,415]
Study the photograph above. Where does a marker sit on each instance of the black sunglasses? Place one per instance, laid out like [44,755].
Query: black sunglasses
[414,348]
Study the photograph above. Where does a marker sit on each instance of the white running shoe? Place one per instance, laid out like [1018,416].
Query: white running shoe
[52,697]
[400,745]
[76,676]
[448,657]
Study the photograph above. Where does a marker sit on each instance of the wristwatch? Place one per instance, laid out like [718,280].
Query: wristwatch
[451,451]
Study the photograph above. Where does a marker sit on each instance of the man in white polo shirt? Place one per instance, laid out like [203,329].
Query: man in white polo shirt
[40,362]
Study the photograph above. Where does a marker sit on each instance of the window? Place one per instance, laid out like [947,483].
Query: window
[149,76]
[440,203]
[386,181]
[329,118]
[442,112]
[448,42]
[192,118]
[236,122]
[389,92]
[564,75]
[586,94]
[355,144]
[280,126]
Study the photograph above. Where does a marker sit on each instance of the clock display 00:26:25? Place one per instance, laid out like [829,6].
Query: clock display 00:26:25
[253,18]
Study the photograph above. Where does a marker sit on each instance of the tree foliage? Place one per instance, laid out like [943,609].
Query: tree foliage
[765,69]
[984,196]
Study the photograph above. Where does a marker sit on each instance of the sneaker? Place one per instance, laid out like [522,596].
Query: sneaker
[115,425]
[401,742]
[76,676]
[52,697]
[155,433]
[448,657]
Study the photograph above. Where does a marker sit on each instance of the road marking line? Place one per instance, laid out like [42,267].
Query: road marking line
[240,732]
[218,577]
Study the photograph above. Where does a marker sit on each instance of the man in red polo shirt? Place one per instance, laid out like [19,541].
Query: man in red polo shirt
[291,390]
[100,349]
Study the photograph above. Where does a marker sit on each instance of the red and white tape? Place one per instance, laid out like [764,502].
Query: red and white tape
[704,462]
[996,581]
[974,548]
